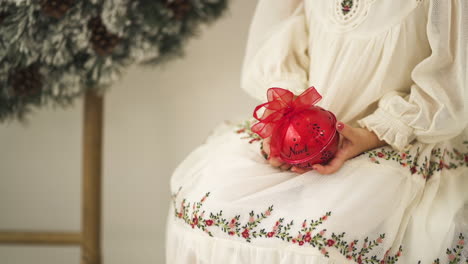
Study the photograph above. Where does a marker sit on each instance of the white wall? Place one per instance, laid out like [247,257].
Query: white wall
[153,119]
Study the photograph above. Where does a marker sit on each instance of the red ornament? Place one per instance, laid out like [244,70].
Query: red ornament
[302,134]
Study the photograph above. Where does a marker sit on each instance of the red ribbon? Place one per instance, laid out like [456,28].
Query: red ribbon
[280,107]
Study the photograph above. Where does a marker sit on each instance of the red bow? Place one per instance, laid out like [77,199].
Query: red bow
[280,106]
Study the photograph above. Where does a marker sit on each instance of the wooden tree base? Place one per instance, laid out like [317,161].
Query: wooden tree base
[90,237]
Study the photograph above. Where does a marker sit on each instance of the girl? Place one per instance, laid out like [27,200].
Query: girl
[394,73]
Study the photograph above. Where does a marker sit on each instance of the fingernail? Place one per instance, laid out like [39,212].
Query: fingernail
[340,126]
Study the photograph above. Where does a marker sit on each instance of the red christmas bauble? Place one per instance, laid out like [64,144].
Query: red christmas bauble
[302,134]
[309,138]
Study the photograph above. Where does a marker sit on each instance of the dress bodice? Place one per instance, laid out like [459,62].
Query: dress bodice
[361,17]
[363,49]
[396,67]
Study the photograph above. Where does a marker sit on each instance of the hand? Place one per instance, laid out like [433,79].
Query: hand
[353,141]
[275,162]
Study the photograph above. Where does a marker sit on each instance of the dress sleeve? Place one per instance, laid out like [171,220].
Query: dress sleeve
[276,53]
[435,109]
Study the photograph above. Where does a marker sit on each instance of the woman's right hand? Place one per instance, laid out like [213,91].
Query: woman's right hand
[274,161]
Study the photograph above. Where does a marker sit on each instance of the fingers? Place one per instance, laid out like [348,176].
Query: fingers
[346,131]
[334,165]
[298,170]
[266,145]
[340,142]
[275,162]
[285,166]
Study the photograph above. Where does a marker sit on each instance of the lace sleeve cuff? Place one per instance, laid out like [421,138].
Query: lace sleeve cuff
[388,128]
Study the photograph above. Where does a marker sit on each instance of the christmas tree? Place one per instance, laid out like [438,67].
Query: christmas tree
[52,51]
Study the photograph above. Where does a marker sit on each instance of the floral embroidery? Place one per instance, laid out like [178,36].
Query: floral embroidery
[245,128]
[440,159]
[346,6]
[309,234]
[454,255]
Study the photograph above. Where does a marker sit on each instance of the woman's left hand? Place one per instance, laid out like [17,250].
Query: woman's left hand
[353,141]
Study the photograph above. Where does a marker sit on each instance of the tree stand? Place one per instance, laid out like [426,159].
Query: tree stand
[89,239]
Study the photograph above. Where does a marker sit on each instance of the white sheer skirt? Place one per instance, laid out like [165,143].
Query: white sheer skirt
[231,206]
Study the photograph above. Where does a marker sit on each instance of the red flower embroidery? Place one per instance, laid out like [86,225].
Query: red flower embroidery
[441,164]
[280,230]
[440,159]
[242,130]
[245,234]
[253,140]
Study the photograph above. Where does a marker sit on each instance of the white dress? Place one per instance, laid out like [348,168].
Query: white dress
[396,67]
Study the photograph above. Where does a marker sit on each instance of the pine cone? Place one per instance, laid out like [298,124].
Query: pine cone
[56,8]
[102,40]
[3,15]
[180,8]
[26,81]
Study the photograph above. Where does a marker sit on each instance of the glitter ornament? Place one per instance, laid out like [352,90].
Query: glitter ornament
[302,134]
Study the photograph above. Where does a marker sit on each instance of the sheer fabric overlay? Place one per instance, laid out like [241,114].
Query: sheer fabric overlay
[395,67]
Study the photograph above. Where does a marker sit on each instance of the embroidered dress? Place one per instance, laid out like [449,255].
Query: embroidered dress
[395,67]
